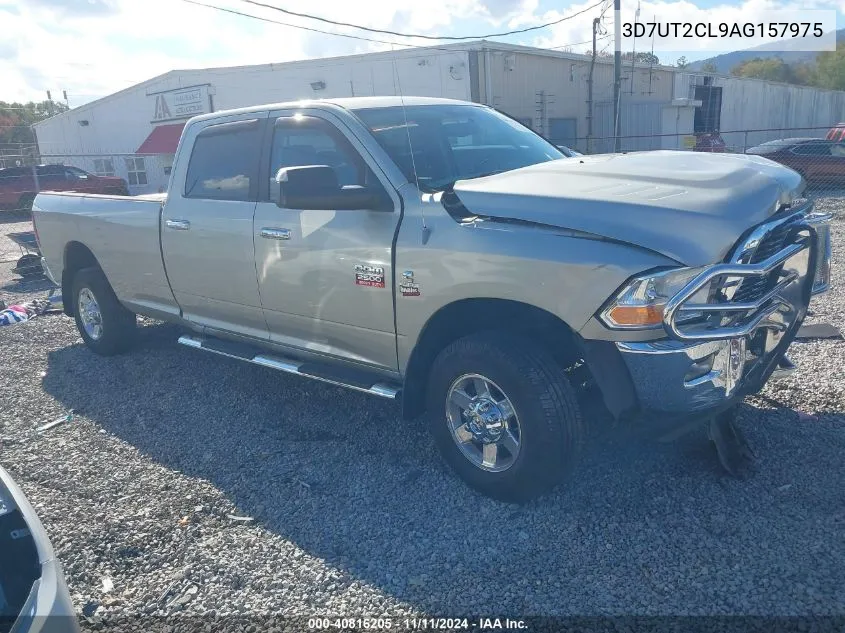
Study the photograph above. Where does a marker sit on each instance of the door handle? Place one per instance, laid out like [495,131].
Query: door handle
[275,234]
[177,225]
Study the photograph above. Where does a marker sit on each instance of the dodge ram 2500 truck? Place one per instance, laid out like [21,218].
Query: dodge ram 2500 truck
[440,250]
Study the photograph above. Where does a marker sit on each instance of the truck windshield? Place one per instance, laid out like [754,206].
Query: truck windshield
[454,142]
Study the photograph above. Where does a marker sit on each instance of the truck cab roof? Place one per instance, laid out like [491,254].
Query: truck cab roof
[346,103]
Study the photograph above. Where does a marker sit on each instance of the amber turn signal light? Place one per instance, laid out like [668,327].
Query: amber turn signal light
[629,316]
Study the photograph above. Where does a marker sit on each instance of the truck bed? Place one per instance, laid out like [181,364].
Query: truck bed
[121,232]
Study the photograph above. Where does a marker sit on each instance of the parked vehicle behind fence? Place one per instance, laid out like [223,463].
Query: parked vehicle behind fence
[836,133]
[821,162]
[439,251]
[20,185]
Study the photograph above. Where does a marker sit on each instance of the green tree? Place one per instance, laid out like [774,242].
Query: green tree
[775,69]
[16,121]
[682,62]
[642,58]
[830,69]
[709,67]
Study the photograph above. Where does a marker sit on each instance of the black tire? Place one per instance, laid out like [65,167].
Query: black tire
[25,203]
[545,403]
[118,324]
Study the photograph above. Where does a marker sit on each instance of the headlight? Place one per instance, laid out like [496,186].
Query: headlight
[640,303]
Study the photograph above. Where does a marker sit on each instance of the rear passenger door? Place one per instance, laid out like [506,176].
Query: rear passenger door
[206,225]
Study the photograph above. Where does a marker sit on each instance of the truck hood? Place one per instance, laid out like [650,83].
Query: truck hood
[691,207]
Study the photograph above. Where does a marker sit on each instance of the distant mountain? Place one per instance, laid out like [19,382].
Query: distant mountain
[727,61]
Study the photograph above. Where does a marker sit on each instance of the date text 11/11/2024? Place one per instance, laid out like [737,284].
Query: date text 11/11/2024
[416,624]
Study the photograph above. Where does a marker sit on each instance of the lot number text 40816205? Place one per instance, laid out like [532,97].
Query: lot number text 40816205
[416,624]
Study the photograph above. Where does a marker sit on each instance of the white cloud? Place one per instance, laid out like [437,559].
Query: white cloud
[94,47]
[112,44]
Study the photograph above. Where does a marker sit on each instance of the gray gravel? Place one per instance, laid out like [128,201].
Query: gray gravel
[354,513]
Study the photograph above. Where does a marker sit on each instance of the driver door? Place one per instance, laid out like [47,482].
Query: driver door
[326,276]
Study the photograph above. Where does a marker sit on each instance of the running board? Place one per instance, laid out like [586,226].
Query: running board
[357,381]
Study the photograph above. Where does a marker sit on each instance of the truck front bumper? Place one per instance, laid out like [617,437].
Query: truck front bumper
[706,370]
[680,378]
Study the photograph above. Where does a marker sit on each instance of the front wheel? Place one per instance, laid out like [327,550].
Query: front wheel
[503,415]
[105,325]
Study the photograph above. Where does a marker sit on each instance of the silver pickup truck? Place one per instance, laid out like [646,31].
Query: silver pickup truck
[440,250]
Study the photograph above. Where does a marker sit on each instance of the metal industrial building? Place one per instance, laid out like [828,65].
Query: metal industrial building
[133,133]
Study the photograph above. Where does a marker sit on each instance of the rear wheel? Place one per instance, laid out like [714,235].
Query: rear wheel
[105,325]
[503,415]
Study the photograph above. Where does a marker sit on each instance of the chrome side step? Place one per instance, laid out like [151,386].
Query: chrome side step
[358,382]
[785,368]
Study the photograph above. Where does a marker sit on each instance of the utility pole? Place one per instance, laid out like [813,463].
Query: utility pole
[617,73]
[596,22]
[50,103]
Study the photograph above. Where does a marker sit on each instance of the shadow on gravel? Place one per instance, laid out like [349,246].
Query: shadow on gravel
[24,285]
[641,527]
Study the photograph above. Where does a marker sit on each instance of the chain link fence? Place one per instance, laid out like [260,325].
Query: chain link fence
[817,153]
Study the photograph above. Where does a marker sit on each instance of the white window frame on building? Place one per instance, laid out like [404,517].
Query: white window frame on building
[104,166]
[136,171]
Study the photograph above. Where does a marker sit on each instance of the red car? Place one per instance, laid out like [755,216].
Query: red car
[711,142]
[819,161]
[19,185]
[836,133]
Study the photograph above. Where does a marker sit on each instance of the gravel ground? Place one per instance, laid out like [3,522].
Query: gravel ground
[354,513]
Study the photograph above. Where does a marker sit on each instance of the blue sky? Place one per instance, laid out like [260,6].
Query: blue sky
[91,48]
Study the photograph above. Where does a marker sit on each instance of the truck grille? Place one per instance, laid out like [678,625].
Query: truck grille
[752,288]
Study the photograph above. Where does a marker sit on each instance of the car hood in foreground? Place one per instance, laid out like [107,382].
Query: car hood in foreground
[688,206]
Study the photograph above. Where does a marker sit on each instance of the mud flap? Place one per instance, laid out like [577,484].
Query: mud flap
[734,452]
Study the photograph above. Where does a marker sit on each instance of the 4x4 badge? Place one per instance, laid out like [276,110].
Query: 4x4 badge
[407,286]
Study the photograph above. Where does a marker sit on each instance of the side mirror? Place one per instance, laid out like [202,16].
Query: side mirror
[315,187]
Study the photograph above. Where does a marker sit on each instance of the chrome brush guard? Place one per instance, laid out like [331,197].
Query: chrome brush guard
[764,283]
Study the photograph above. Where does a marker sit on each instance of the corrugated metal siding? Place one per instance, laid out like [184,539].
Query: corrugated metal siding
[783,110]
[641,127]
[518,78]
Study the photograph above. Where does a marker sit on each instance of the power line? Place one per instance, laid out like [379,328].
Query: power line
[356,37]
[590,41]
[293,26]
[420,36]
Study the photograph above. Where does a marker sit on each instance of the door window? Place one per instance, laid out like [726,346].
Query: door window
[813,149]
[224,162]
[301,141]
[73,173]
[51,174]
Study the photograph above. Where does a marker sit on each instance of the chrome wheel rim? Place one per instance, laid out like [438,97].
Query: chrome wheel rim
[483,422]
[89,314]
